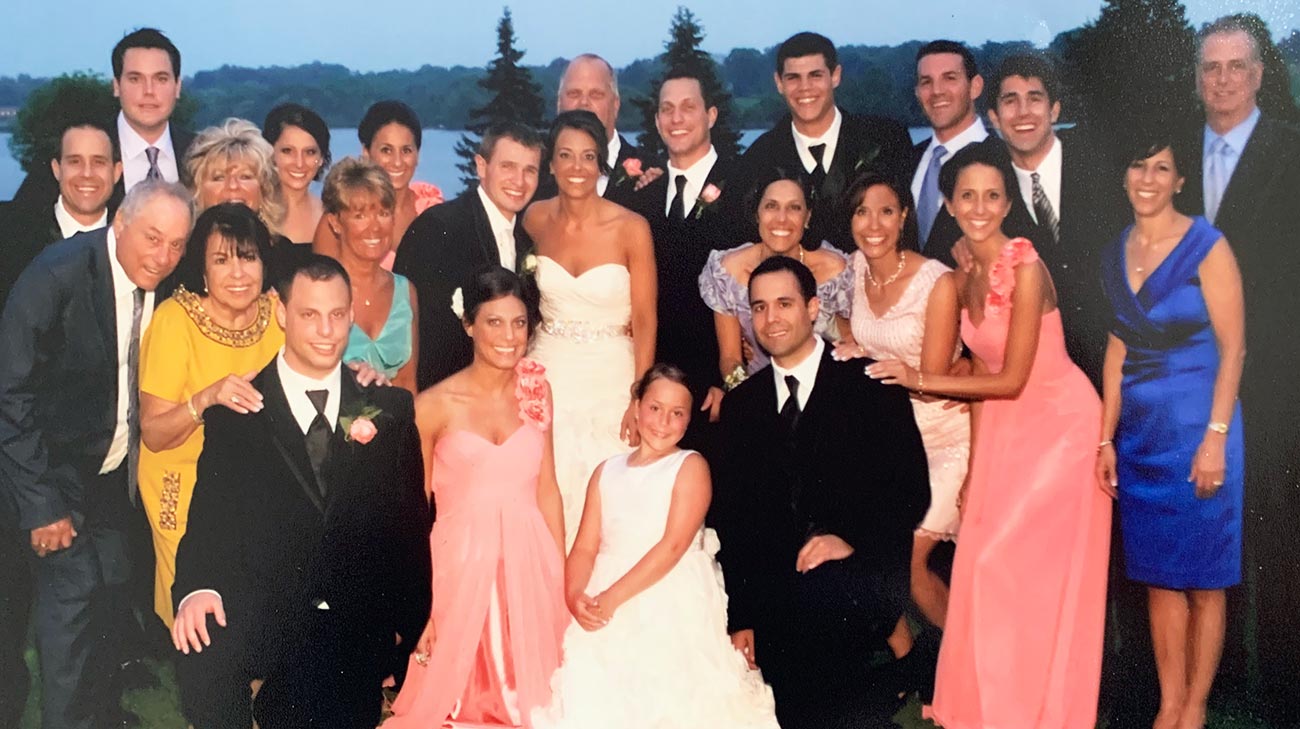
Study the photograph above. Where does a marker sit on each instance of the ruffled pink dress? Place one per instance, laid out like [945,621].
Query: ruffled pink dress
[498,580]
[1023,640]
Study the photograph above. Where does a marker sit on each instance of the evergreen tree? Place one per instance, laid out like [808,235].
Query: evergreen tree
[682,51]
[71,98]
[515,97]
[1133,67]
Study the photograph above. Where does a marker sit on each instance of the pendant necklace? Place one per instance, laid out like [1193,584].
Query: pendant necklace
[902,261]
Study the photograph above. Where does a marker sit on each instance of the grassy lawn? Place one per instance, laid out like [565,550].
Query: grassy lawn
[159,708]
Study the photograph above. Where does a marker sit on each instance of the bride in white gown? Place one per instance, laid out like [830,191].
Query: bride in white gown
[648,648]
[596,274]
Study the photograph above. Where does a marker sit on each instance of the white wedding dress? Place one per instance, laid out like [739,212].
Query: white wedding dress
[585,343]
[664,660]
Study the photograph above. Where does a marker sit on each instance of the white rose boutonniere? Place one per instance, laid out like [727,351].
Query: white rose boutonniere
[458,303]
[529,266]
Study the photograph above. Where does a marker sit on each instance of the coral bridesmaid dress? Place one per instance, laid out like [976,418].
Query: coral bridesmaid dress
[498,580]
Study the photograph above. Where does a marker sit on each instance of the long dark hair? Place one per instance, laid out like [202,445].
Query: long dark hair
[910,235]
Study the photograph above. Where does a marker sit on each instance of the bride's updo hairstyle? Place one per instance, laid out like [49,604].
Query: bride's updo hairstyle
[660,371]
[587,123]
[494,282]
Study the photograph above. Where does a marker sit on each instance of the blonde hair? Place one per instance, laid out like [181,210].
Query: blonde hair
[352,175]
[238,140]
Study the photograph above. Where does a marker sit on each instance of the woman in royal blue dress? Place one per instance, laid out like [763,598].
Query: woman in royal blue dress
[1171,448]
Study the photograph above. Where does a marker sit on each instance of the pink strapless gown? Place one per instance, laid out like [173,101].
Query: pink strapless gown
[1023,641]
[498,582]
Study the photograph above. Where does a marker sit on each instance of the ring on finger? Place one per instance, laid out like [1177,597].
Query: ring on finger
[234,399]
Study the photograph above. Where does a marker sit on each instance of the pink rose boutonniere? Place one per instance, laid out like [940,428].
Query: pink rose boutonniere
[631,170]
[530,390]
[708,196]
[360,427]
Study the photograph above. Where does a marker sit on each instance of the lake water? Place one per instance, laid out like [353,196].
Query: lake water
[438,158]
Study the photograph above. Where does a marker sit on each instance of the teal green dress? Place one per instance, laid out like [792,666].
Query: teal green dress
[388,352]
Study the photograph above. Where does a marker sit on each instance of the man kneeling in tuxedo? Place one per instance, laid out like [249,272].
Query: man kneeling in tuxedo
[308,534]
[821,481]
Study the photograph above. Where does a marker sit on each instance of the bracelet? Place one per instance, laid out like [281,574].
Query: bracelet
[195,414]
[920,382]
[733,379]
[1104,443]
[1218,427]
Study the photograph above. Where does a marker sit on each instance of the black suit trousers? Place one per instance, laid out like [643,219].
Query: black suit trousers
[322,685]
[15,611]
[819,659]
[82,606]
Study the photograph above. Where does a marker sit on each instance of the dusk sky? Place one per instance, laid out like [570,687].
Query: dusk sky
[48,38]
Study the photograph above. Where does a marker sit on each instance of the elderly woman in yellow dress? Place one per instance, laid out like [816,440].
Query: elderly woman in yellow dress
[201,349]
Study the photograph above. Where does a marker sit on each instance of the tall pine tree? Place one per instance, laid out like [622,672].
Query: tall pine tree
[682,51]
[515,98]
[1134,67]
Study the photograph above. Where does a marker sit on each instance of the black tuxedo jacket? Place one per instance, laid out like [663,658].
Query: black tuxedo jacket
[866,144]
[1260,217]
[686,335]
[856,469]
[442,248]
[1093,211]
[263,537]
[622,192]
[58,379]
[945,231]
[26,232]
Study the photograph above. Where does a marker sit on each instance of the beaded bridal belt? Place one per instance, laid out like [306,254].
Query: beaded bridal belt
[585,331]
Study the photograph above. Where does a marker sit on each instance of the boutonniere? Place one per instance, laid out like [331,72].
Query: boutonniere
[866,158]
[528,265]
[708,196]
[458,303]
[360,427]
[631,170]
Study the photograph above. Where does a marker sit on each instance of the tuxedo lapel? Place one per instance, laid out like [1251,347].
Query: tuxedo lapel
[286,436]
[483,235]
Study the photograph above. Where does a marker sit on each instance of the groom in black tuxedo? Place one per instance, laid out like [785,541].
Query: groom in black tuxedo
[823,477]
[445,245]
[309,535]
[69,442]
[693,209]
[832,147]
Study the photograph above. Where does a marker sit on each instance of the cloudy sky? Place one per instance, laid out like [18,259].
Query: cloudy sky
[48,38]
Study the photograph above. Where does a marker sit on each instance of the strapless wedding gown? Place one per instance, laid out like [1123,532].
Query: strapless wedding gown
[585,343]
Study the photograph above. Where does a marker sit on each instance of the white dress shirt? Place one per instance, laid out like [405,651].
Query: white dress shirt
[971,134]
[613,148]
[135,161]
[830,138]
[296,385]
[123,307]
[696,174]
[805,372]
[70,226]
[1049,176]
[503,231]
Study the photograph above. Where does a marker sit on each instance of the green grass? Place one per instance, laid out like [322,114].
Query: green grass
[159,708]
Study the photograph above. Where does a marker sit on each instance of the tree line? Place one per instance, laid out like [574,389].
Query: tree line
[1137,57]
